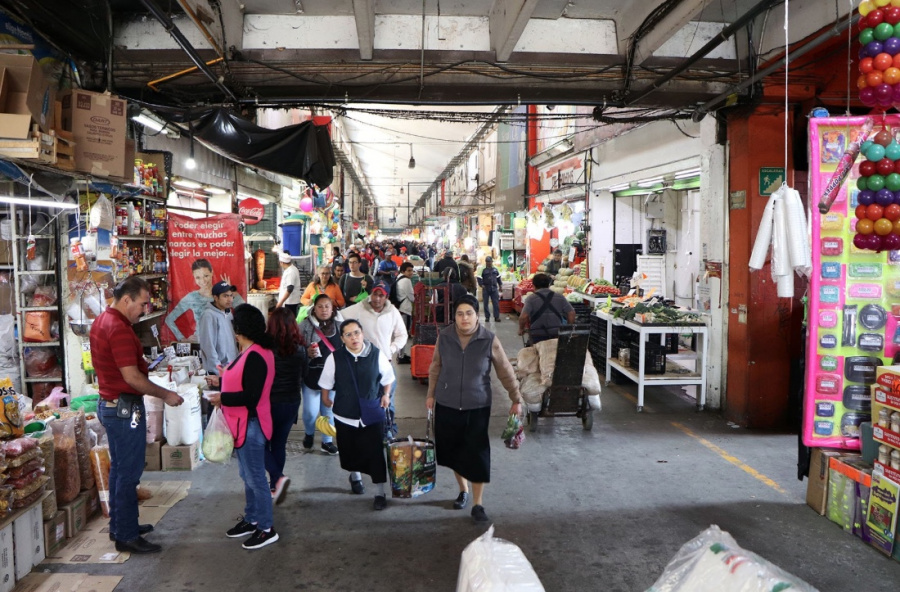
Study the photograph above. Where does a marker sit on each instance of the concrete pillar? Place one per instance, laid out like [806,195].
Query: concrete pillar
[601,221]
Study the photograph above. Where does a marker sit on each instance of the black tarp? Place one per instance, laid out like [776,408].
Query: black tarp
[302,151]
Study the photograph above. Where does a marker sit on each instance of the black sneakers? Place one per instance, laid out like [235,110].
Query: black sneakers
[404,359]
[261,538]
[307,442]
[356,486]
[329,448]
[138,546]
[242,528]
[461,501]
[380,502]
[478,514]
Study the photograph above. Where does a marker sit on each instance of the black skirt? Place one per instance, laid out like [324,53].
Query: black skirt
[362,450]
[462,443]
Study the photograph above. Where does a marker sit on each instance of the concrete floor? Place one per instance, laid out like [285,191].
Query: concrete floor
[599,510]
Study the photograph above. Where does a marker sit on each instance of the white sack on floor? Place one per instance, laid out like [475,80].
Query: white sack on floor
[493,565]
[714,562]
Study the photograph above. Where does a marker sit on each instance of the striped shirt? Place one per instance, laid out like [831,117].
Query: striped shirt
[115,345]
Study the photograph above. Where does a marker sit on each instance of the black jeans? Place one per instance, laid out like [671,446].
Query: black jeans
[284,415]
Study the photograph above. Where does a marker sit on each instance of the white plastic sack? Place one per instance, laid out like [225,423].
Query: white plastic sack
[714,562]
[218,442]
[532,390]
[493,565]
[527,362]
[102,214]
[184,424]
[155,409]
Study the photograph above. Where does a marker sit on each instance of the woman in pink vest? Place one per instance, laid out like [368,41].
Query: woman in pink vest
[246,384]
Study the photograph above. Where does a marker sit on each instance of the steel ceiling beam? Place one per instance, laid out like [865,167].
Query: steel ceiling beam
[507,21]
[672,22]
[364,12]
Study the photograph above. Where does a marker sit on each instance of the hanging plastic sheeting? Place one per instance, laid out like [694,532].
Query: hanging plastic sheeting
[784,228]
[303,151]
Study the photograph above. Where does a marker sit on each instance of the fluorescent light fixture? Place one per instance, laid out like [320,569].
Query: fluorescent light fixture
[215,190]
[649,182]
[37,203]
[688,173]
[187,184]
[154,123]
[562,147]
[619,187]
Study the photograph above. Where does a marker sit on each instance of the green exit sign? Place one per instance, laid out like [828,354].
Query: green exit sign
[770,179]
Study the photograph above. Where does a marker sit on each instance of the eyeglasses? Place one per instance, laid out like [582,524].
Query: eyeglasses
[356,333]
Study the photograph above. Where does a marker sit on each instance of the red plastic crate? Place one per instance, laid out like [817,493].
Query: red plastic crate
[421,360]
[506,307]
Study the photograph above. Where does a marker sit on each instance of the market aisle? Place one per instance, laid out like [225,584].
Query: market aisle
[599,510]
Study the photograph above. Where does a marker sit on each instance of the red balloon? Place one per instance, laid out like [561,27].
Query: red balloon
[876,243]
[874,212]
[867,168]
[883,61]
[860,241]
[861,212]
[866,65]
[885,166]
[875,18]
[892,212]
[897,60]
[874,78]
[892,15]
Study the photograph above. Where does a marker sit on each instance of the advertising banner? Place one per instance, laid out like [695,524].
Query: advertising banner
[202,252]
[853,299]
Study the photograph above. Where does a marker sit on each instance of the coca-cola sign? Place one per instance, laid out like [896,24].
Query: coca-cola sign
[251,211]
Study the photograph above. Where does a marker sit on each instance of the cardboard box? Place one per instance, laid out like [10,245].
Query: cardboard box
[76,515]
[153,457]
[28,540]
[98,123]
[817,488]
[54,533]
[7,298]
[7,562]
[91,502]
[26,97]
[180,458]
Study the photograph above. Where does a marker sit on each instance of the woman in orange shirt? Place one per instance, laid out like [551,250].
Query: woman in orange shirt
[323,284]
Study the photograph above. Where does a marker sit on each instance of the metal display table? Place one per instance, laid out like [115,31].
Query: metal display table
[697,378]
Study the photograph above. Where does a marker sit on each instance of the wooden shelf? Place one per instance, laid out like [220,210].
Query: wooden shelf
[26,344]
[43,379]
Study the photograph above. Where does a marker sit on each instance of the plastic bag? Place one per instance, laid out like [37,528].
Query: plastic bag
[490,564]
[87,403]
[65,460]
[155,410]
[37,327]
[218,442]
[18,447]
[714,562]
[56,397]
[514,433]
[41,362]
[43,296]
[83,448]
[184,424]
[96,430]
[29,467]
[100,467]
[25,480]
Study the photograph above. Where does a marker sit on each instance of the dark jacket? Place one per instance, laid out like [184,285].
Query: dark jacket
[365,370]
[465,378]
[289,373]
[446,263]
[490,280]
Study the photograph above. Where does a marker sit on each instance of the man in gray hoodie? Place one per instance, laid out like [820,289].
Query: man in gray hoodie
[216,335]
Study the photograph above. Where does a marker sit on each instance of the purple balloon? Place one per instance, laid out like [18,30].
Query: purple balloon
[873,48]
[875,242]
[891,242]
[861,53]
[866,197]
[867,96]
[884,197]
[892,45]
[860,242]
[884,92]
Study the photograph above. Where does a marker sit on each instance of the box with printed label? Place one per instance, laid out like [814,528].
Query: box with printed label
[180,458]
[152,458]
[76,515]
[91,502]
[54,533]
[28,540]
[817,488]
[7,561]
[98,122]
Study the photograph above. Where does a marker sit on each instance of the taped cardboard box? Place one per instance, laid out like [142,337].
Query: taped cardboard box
[76,515]
[817,488]
[25,95]
[98,124]
[28,540]
[54,533]
[153,456]
[180,458]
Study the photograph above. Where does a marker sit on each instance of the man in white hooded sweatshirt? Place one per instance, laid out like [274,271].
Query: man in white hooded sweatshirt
[382,325]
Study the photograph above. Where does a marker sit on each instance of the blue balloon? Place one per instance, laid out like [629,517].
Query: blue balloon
[866,197]
[865,146]
[875,152]
[892,46]
[861,53]
[873,48]
[884,197]
[897,197]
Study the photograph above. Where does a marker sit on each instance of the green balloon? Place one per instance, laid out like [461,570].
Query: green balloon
[875,182]
[875,152]
[867,36]
[892,182]
[861,183]
[884,31]
[897,30]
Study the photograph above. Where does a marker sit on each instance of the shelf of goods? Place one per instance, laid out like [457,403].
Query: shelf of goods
[886,421]
[668,377]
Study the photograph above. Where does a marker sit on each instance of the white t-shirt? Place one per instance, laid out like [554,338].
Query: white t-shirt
[291,277]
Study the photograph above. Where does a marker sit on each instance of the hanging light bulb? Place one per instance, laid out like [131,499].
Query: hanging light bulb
[190,163]
[412,160]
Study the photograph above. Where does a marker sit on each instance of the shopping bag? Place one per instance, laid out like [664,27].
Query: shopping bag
[360,297]
[412,466]
[514,433]
[218,443]
[303,312]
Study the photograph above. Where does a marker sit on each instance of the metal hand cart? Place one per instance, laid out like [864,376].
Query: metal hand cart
[431,313]
[566,396]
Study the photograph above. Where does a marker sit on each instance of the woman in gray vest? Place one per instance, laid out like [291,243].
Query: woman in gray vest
[360,376]
[459,392]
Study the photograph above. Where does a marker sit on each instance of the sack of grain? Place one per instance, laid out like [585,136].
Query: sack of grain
[527,362]
[532,390]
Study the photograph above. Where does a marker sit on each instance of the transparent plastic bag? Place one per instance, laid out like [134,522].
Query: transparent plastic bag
[65,464]
[83,448]
[714,562]
[218,442]
[100,466]
[490,564]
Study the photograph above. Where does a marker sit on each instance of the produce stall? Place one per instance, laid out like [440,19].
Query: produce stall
[650,367]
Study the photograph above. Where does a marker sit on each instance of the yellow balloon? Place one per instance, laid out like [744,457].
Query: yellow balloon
[865,7]
[882,3]
[895,2]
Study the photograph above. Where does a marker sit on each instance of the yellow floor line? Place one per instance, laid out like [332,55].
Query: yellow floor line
[732,459]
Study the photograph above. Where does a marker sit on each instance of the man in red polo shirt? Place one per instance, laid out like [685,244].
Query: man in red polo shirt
[122,375]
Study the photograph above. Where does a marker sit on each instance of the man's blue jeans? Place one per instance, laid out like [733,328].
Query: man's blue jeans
[491,297]
[252,459]
[127,450]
